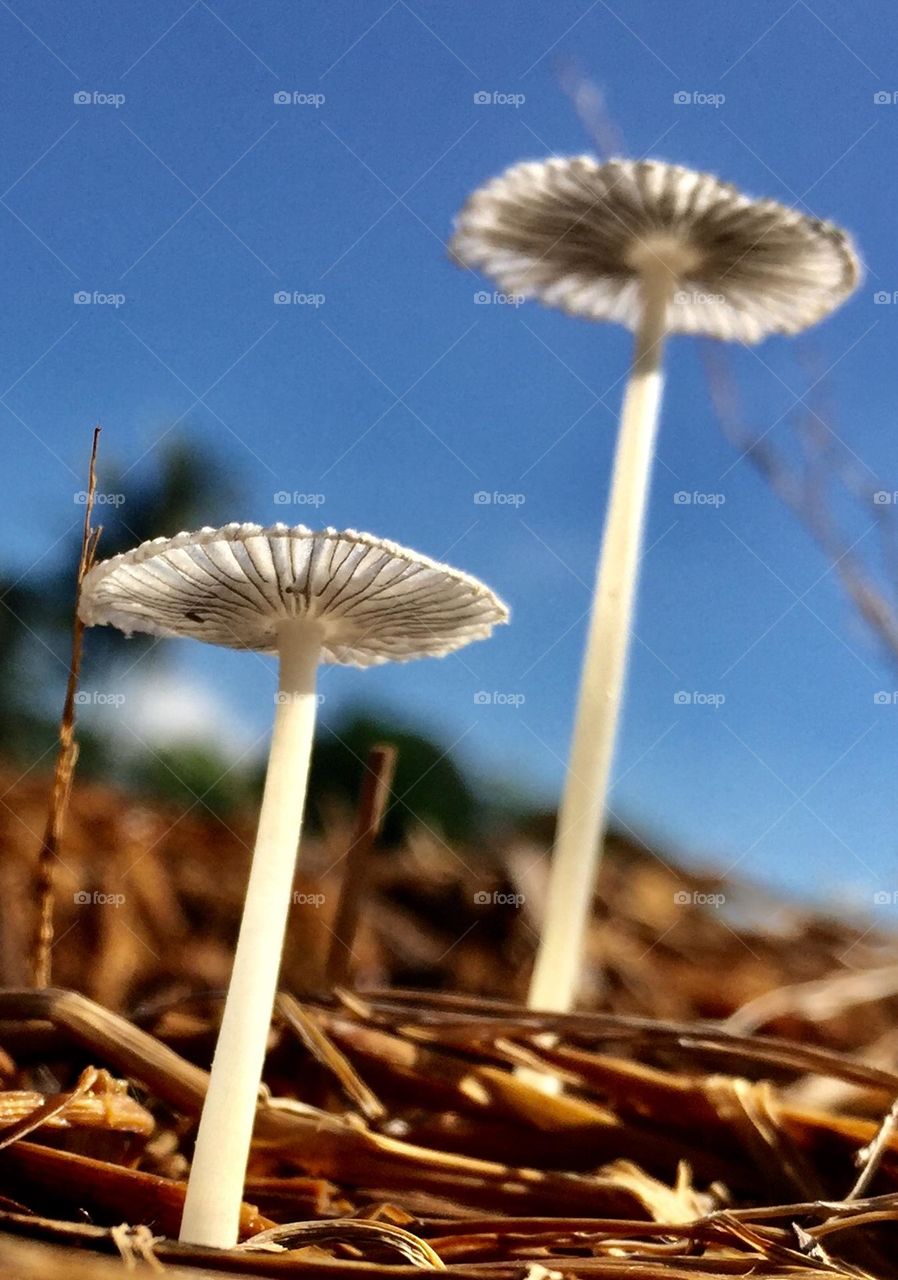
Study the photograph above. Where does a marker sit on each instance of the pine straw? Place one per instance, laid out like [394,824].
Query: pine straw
[435,917]
[394,1133]
[396,1130]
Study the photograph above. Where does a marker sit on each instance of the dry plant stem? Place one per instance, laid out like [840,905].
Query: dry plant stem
[870,1158]
[215,1188]
[379,770]
[51,1108]
[582,815]
[308,1028]
[67,756]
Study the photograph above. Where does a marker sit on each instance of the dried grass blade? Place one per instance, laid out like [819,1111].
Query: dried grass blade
[67,757]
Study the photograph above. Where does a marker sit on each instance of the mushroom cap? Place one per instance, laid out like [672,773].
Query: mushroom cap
[574,233]
[372,601]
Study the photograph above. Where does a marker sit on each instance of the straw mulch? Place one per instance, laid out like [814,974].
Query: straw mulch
[404,1130]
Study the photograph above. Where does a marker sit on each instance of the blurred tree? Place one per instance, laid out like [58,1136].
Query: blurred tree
[195,775]
[428,787]
[182,488]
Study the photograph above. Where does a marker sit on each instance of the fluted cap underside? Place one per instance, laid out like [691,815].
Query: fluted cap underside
[371,601]
[575,234]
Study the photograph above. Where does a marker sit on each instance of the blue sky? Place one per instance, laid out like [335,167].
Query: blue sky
[184,188]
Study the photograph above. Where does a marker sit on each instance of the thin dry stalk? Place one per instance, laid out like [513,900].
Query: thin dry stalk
[67,757]
[326,1052]
[824,479]
[380,768]
[870,1158]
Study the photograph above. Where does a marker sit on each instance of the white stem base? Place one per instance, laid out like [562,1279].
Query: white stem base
[582,815]
[215,1189]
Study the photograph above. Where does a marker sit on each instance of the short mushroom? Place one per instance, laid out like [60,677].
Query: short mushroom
[660,249]
[310,597]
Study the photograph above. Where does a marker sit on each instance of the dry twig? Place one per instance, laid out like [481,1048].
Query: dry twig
[67,757]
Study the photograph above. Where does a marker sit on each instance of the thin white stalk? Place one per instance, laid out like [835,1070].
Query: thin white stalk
[582,815]
[215,1190]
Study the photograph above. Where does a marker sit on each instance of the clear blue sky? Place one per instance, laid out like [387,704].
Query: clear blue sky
[198,197]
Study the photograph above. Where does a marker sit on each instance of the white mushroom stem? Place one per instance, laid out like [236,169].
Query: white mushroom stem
[215,1189]
[582,815]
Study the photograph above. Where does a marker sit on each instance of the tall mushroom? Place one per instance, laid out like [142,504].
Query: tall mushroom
[660,249]
[310,597]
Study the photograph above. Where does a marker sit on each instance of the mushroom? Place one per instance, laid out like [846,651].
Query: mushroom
[660,249]
[310,597]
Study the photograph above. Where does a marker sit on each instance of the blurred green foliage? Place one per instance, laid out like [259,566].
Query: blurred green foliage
[428,787]
[194,775]
[182,489]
